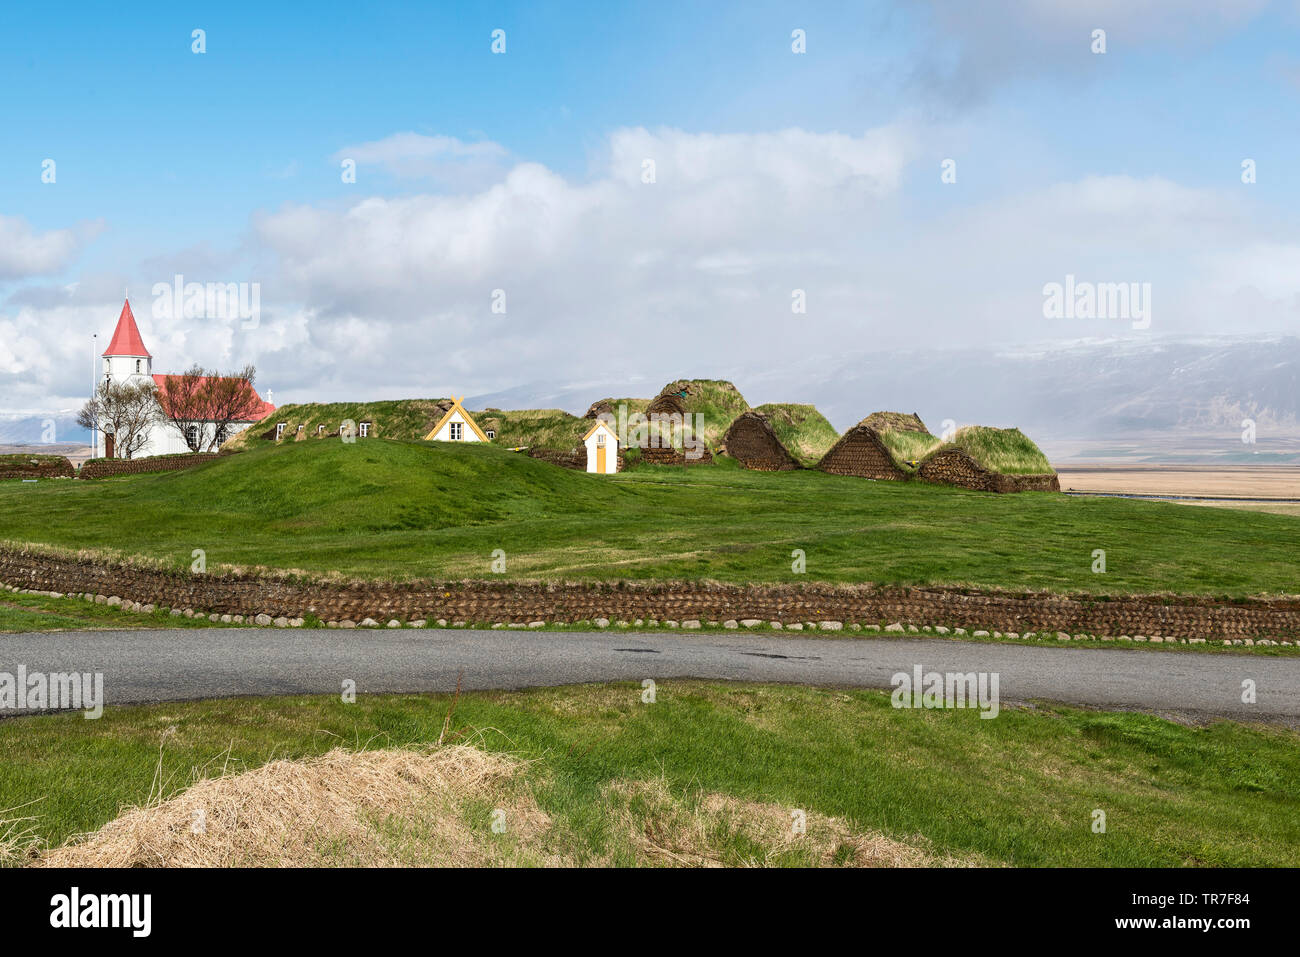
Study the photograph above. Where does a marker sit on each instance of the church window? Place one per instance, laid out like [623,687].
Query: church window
[137,365]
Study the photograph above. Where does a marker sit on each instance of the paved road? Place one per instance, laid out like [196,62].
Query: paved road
[141,666]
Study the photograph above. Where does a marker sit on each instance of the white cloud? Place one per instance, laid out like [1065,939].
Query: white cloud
[707,252]
[26,253]
[693,273]
[757,191]
[443,159]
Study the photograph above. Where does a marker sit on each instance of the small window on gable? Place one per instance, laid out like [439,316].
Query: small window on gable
[320,430]
[457,431]
[600,438]
[490,433]
[279,430]
[300,426]
[365,429]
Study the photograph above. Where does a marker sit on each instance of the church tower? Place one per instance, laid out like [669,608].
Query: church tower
[126,359]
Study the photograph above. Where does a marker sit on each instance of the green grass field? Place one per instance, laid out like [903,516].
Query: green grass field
[1020,789]
[390,419]
[415,510]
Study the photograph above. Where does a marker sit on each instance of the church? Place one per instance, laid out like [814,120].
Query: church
[126,360]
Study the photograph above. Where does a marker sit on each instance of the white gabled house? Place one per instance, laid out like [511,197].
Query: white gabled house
[456,425]
[602,448]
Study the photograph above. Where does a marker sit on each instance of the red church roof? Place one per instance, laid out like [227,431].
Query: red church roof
[126,337]
[261,412]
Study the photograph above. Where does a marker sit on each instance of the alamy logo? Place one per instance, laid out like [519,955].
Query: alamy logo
[658,430]
[58,691]
[1098,300]
[934,689]
[103,910]
[211,300]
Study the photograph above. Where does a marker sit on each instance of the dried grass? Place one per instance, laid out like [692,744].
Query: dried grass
[352,808]
[434,808]
[718,830]
[18,836]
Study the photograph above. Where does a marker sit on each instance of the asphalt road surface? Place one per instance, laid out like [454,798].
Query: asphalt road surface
[144,666]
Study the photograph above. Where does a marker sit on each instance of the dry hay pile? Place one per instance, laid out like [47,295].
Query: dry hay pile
[861,452]
[717,830]
[751,441]
[349,808]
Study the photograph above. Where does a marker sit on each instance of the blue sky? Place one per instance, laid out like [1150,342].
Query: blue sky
[140,124]
[225,166]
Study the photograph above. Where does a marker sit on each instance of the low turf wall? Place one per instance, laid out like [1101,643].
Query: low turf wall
[502,601]
[106,468]
[35,466]
[575,459]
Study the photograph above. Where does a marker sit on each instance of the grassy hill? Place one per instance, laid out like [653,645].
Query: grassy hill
[412,419]
[1008,451]
[385,509]
[534,428]
[716,401]
[802,429]
[392,419]
[612,405]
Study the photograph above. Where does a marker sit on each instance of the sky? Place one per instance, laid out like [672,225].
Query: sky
[503,227]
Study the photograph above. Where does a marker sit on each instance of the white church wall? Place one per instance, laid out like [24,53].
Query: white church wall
[165,439]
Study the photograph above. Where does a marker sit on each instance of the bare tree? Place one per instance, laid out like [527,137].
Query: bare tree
[199,398]
[123,410]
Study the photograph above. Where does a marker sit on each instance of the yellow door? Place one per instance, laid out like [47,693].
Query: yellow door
[600,459]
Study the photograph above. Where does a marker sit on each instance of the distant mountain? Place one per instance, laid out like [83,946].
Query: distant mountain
[1083,390]
[1176,397]
[24,428]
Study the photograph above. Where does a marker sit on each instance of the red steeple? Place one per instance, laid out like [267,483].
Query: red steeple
[126,337]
